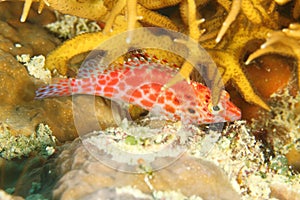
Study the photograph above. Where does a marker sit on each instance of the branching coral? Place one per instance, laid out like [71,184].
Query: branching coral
[295,9]
[256,13]
[59,58]
[254,10]
[107,10]
[262,16]
[228,59]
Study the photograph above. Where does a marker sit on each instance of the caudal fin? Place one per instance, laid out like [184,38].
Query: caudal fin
[62,88]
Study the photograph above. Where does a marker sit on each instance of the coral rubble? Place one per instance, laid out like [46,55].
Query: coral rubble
[42,142]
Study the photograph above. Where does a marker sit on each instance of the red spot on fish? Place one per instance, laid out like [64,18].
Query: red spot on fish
[114,74]
[72,83]
[137,94]
[164,61]
[152,97]
[176,101]
[207,97]
[175,66]
[208,120]
[161,100]
[169,97]
[101,81]
[113,82]
[169,108]
[98,87]
[108,90]
[147,103]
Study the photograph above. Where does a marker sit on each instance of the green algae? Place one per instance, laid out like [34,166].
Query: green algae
[130,140]
[280,165]
[41,142]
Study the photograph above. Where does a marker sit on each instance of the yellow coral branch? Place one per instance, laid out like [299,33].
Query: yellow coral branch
[157,4]
[235,9]
[296,10]
[26,8]
[194,33]
[235,73]
[41,6]
[132,17]
[252,14]
[187,67]
[293,31]
[113,14]
[155,19]
[58,58]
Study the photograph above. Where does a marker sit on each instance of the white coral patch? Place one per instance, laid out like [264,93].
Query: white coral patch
[68,26]
[36,66]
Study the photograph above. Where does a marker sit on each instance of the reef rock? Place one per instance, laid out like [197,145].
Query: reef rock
[19,110]
[83,177]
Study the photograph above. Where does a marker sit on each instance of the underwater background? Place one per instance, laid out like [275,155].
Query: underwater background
[255,47]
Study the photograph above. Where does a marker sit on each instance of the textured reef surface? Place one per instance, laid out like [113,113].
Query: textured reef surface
[257,157]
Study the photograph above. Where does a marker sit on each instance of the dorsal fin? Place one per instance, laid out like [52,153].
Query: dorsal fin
[92,67]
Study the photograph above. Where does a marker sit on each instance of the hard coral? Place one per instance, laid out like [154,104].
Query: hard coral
[92,176]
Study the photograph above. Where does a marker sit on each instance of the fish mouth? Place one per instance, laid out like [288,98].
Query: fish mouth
[232,112]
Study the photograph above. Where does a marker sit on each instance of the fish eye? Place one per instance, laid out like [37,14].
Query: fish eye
[191,110]
[214,109]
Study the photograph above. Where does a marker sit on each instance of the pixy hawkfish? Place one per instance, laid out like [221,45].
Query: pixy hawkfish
[139,82]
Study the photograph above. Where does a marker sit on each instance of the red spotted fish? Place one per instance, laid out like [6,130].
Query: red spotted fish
[139,82]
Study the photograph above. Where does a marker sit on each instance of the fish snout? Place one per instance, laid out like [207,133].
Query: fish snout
[232,112]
